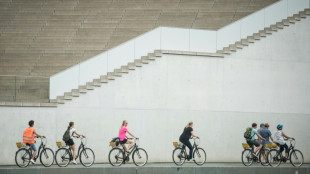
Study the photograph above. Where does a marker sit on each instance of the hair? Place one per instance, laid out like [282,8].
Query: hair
[123,123]
[189,124]
[70,124]
[30,123]
[254,124]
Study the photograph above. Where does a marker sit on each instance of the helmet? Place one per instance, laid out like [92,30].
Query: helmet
[280,126]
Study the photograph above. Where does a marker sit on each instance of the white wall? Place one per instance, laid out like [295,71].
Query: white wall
[265,82]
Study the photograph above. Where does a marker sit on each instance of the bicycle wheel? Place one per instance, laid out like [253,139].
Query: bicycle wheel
[200,156]
[274,158]
[116,157]
[62,157]
[178,156]
[247,157]
[47,157]
[296,158]
[139,157]
[263,158]
[87,157]
[22,157]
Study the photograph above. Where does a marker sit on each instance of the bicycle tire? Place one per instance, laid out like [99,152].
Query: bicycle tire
[274,157]
[293,155]
[265,163]
[247,157]
[62,157]
[200,152]
[47,153]
[25,157]
[85,154]
[118,155]
[178,156]
[138,153]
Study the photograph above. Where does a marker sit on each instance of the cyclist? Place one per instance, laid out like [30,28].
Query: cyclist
[261,127]
[265,133]
[279,139]
[186,135]
[28,138]
[254,142]
[70,142]
[123,138]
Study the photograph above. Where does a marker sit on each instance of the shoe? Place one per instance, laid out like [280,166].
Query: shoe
[193,159]
[74,162]
[32,161]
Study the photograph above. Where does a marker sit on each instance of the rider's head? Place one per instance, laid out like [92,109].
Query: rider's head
[190,124]
[262,125]
[124,123]
[71,124]
[280,126]
[266,125]
[31,123]
[254,125]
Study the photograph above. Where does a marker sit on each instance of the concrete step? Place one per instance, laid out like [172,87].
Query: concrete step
[291,20]
[90,85]
[286,22]
[111,76]
[124,69]
[131,66]
[151,56]
[245,42]
[274,27]
[280,25]
[239,45]
[75,92]
[307,11]
[262,33]
[297,17]
[118,72]
[145,59]
[104,79]
[268,30]
[303,14]
[251,39]
[232,47]
[68,96]
[256,36]
[96,82]
[138,62]
[82,89]
[60,99]
[158,53]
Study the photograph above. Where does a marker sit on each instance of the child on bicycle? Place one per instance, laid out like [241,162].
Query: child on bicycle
[279,139]
[28,138]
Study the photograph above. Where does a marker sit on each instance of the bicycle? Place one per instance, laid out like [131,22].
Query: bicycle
[64,154]
[24,154]
[296,157]
[248,158]
[118,157]
[179,154]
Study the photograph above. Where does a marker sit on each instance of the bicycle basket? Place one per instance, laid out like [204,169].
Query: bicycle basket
[175,144]
[112,144]
[271,145]
[245,145]
[58,144]
[19,144]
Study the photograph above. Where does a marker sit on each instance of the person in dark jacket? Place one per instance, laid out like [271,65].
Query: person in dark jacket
[185,136]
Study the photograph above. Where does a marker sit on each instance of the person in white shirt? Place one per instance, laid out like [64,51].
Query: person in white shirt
[279,139]
[70,142]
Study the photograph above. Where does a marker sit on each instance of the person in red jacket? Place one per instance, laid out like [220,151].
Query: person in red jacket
[28,138]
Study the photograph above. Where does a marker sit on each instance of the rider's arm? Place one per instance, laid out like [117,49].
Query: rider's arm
[131,134]
[271,138]
[34,131]
[193,134]
[78,134]
[287,136]
[259,136]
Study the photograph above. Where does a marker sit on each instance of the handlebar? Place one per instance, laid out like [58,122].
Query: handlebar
[42,137]
[133,138]
[194,138]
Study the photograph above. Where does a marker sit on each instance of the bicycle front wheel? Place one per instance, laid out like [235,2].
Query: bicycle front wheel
[22,157]
[116,157]
[139,157]
[200,156]
[247,157]
[87,157]
[274,158]
[178,156]
[263,158]
[47,157]
[296,158]
[62,157]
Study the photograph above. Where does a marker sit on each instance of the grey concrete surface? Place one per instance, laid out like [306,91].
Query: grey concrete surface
[159,168]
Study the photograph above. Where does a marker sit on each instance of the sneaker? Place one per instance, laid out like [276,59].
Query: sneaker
[193,159]
[74,162]
[32,161]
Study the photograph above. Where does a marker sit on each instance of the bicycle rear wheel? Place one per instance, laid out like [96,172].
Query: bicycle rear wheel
[22,157]
[296,158]
[116,157]
[263,157]
[62,157]
[247,157]
[178,156]
[274,158]
[139,157]
[87,157]
[47,157]
[200,156]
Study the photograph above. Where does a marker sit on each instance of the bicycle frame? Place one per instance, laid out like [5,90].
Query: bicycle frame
[195,146]
[81,147]
[132,149]
[42,146]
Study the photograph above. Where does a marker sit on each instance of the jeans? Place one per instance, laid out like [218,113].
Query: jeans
[282,148]
[33,146]
[189,145]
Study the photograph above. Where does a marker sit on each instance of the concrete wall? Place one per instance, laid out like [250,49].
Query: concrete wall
[266,82]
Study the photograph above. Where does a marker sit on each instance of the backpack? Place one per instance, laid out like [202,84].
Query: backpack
[247,133]
[116,140]
[66,136]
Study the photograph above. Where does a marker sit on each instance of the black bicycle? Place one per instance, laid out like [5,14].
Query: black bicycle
[248,156]
[118,157]
[64,154]
[295,156]
[179,154]
[24,154]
